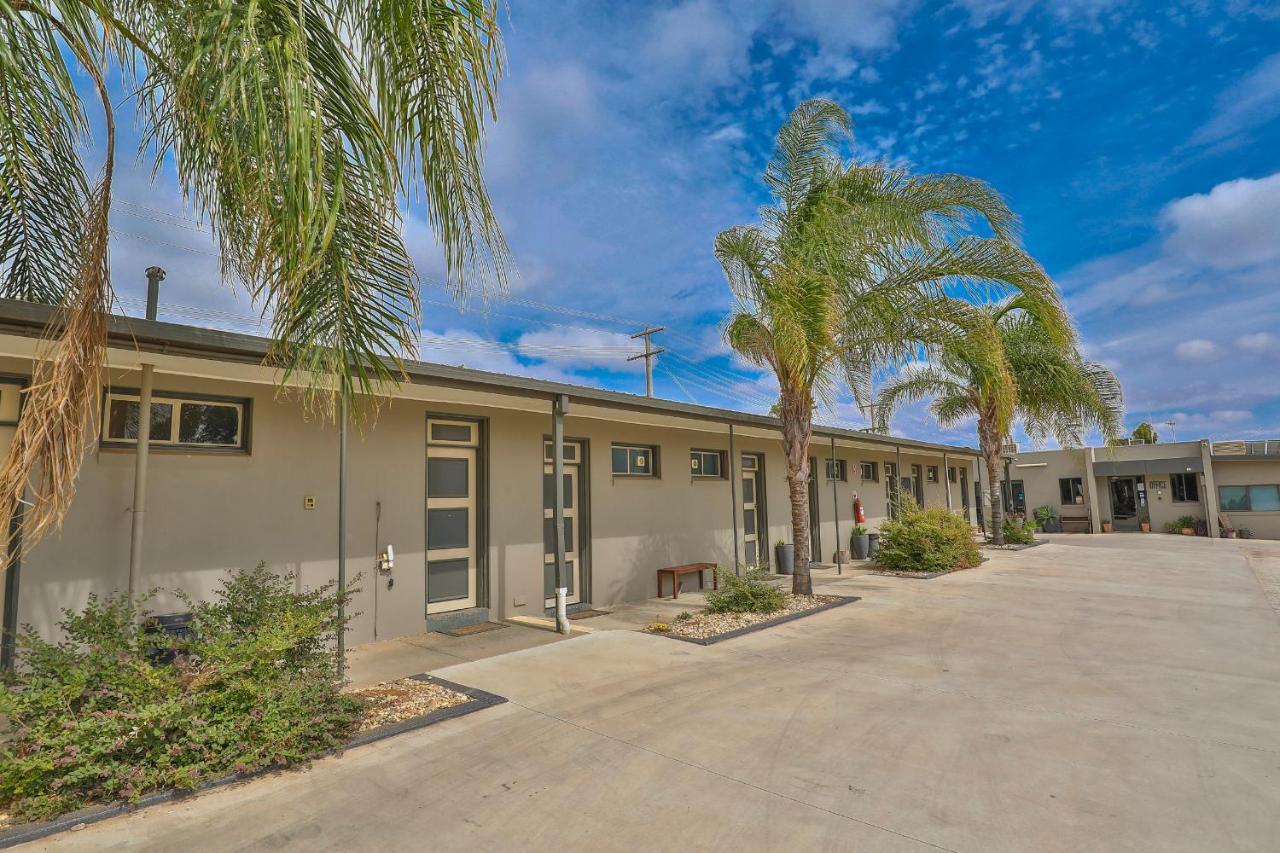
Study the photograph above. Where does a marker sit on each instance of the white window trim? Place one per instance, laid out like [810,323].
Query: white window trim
[697,473]
[841,472]
[241,406]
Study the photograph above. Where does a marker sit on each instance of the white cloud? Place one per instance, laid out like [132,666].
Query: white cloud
[1196,349]
[583,347]
[868,108]
[1258,342]
[729,134]
[865,25]
[1236,224]
[696,46]
[1251,102]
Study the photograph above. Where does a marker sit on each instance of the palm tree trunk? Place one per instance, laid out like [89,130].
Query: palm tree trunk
[989,437]
[797,430]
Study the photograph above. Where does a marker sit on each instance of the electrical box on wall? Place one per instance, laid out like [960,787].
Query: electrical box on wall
[308,501]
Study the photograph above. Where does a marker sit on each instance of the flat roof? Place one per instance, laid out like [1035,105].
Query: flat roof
[29,319]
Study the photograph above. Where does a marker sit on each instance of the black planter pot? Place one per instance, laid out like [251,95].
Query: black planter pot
[786,555]
[1054,526]
[860,545]
[873,545]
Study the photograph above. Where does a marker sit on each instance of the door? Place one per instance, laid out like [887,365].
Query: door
[10,400]
[753,523]
[1017,502]
[917,485]
[815,543]
[452,506]
[1124,503]
[572,523]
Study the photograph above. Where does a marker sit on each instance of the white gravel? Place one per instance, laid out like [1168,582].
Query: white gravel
[703,624]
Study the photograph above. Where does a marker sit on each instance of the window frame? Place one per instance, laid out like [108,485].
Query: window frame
[652,449]
[177,398]
[1078,483]
[931,474]
[1182,477]
[875,472]
[696,474]
[841,470]
[1248,496]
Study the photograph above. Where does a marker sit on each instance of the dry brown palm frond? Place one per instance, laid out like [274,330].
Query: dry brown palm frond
[59,417]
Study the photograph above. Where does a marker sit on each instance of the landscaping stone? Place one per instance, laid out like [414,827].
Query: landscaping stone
[704,625]
[396,701]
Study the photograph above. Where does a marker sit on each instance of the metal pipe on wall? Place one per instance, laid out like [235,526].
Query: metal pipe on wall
[142,454]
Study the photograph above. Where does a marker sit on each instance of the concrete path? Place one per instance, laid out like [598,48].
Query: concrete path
[1097,693]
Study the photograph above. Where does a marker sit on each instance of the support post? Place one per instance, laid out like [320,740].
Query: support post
[733,503]
[946,479]
[342,534]
[11,583]
[142,455]
[1211,509]
[897,482]
[835,506]
[558,407]
[1091,489]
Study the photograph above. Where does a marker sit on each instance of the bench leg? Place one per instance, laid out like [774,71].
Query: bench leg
[659,584]
[715,580]
[702,580]
[675,586]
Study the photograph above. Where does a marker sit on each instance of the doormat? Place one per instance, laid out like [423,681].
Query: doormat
[468,630]
[587,614]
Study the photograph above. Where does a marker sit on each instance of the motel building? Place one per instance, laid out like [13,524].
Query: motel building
[1229,487]
[454,476]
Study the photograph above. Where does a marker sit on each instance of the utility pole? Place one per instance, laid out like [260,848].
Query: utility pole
[648,355]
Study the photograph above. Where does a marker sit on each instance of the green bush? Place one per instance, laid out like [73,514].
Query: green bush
[749,592]
[1045,515]
[926,540]
[97,717]
[1019,530]
[1180,522]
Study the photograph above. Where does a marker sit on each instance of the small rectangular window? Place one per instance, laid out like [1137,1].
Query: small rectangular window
[1071,490]
[188,423]
[931,473]
[836,470]
[706,464]
[748,462]
[868,471]
[634,461]
[450,432]
[1185,488]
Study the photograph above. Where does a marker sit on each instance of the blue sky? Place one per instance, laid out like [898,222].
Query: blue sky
[1140,142]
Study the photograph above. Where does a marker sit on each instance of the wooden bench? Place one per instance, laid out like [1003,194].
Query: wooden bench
[1075,524]
[676,572]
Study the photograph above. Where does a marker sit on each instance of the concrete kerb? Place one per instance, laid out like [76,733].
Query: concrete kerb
[27,832]
[759,626]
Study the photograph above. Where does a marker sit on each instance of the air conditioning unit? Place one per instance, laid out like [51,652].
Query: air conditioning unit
[1009,448]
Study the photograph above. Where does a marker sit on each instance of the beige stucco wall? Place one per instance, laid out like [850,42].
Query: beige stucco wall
[1227,472]
[209,513]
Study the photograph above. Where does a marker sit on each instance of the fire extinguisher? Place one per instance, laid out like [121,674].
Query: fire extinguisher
[858,514]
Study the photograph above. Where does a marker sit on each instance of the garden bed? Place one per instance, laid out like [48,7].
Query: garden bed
[1009,546]
[895,573]
[395,707]
[706,628]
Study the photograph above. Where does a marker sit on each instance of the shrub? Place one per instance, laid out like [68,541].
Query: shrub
[1019,530]
[928,540]
[749,592]
[98,717]
[1180,522]
[1045,515]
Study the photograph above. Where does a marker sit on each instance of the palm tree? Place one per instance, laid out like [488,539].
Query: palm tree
[850,268]
[1050,387]
[298,131]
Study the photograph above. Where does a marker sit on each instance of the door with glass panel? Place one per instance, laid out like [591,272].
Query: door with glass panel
[753,522]
[572,524]
[452,505]
[10,396]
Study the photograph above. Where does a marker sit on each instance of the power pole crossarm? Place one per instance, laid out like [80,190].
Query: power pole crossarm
[648,355]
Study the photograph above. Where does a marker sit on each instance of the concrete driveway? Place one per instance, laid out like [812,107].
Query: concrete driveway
[1098,693]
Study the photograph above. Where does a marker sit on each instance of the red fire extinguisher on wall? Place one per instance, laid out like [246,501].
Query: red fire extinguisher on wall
[859,515]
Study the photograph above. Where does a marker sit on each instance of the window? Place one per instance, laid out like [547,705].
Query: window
[186,422]
[634,461]
[836,470]
[1185,488]
[1071,490]
[869,471]
[707,464]
[932,474]
[1249,498]
[951,474]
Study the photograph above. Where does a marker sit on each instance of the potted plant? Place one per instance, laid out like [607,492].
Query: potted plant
[1184,524]
[786,555]
[1047,519]
[860,543]
[1106,527]
[873,545]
